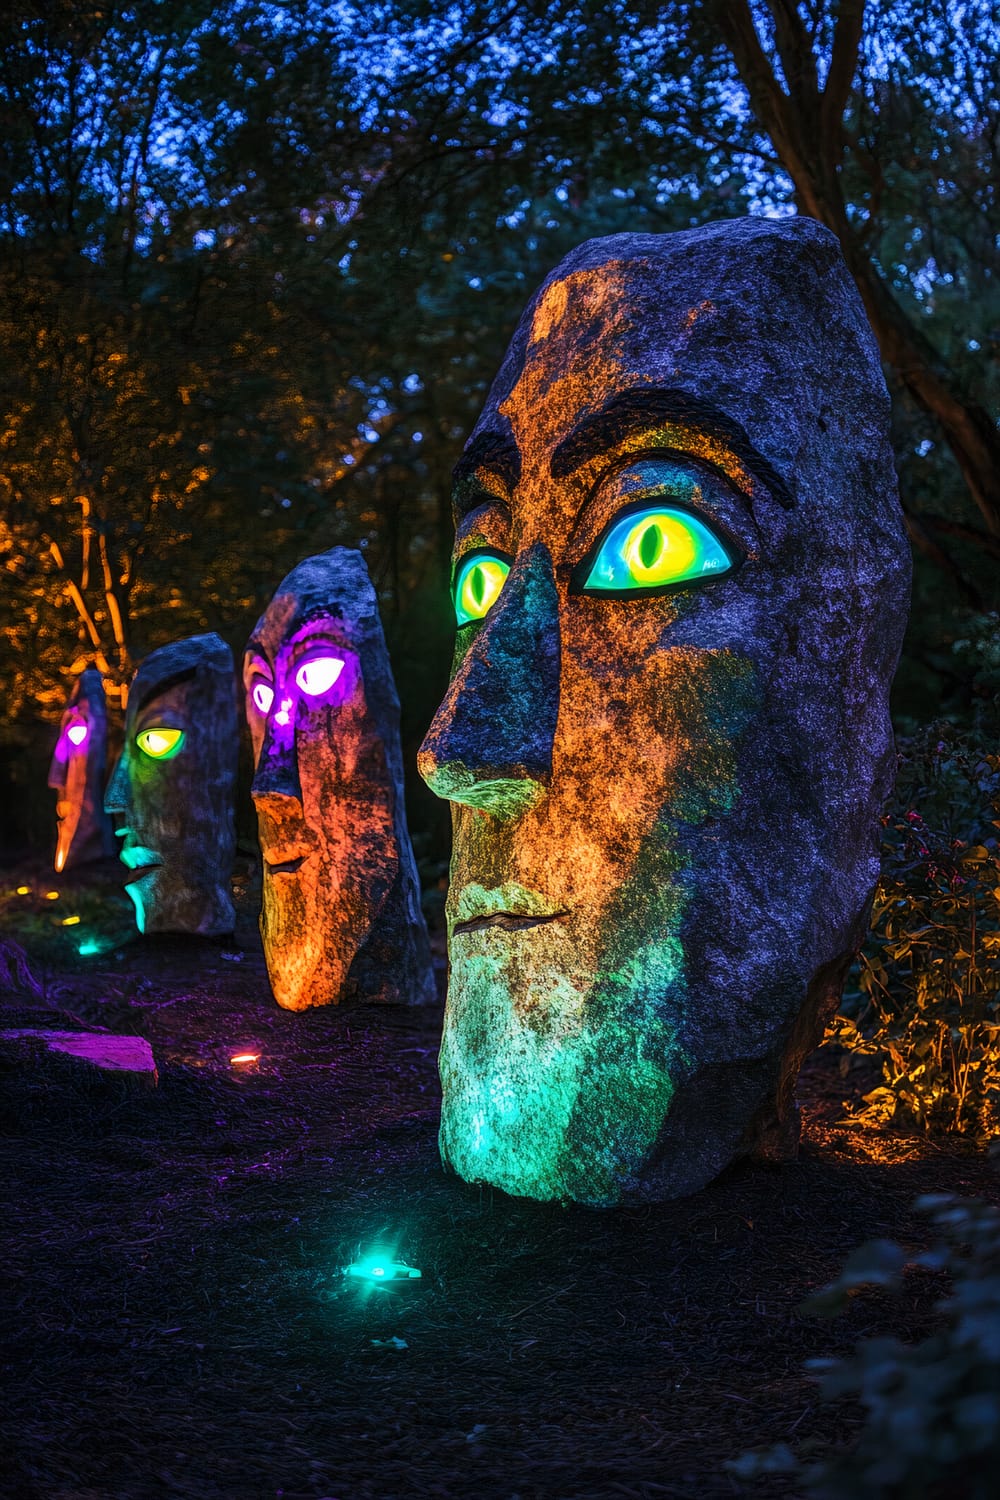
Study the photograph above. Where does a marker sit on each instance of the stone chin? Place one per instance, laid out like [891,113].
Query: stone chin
[163,905]
[557,1078]
[308,935]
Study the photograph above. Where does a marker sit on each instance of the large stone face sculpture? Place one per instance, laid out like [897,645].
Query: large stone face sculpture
[76,775]
[681,581]
[341,915]
[174,787]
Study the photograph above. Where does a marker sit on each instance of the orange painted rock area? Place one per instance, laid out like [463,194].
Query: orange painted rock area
[76,775]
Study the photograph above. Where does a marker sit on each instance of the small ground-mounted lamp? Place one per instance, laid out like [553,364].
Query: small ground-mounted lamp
[244,1059]
[377,1270]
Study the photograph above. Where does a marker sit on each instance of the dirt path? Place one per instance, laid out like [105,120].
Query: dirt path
[176,1319]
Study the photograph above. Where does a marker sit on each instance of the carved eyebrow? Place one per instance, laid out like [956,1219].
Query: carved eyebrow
[492,449]
[158,688]
[630,413]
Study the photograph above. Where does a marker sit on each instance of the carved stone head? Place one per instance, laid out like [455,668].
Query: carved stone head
[341,915]
[174,787]
[76,775]
[681,582]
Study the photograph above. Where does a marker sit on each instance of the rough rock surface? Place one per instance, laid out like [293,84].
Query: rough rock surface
[176,812]
[341,918]
[666,804]
[76,775]
[129,1057]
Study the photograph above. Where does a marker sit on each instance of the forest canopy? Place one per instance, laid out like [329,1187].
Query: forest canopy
[259,262]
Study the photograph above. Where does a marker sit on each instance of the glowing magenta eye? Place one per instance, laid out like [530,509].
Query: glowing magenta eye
[263,697]
[77,733]
[317,675]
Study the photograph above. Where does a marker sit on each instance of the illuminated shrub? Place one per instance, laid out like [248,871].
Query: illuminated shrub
[928,1007]
[932,1409]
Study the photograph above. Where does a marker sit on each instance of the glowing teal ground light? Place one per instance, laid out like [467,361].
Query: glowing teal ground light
[88,949]
[380,1271]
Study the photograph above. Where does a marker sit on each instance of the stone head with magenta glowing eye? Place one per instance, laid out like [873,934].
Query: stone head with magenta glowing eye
[341,913]
[174,787]
[76,775]
[680,586]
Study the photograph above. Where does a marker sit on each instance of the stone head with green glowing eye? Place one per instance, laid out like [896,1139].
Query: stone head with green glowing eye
[680,586]
[172,792]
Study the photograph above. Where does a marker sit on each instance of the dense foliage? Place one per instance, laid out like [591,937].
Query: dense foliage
[258,264]
[932,1409]
[929,1003]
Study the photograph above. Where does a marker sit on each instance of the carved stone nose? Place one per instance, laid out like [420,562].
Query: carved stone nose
[490,745]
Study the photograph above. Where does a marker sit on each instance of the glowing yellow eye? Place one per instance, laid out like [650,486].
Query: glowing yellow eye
[161,743]
[656,548]
[478,585]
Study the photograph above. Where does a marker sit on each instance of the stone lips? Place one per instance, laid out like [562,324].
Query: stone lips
[178,812]
[341,918]
[687,789]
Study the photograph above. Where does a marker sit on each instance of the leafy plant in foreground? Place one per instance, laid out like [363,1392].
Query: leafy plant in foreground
[932,1409]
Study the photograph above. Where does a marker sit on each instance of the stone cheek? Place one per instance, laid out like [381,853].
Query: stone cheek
[565,1042]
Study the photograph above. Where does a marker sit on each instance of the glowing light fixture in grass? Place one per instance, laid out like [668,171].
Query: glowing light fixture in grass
[52,895]
[24,890]
[70,921]
[88,949]
[378,1270]
[244,1057]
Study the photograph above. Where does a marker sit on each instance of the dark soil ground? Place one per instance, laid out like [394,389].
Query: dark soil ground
[177,1322]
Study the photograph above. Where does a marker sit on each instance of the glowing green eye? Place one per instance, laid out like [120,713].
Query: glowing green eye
[654,548]
[161,743]
[477,587]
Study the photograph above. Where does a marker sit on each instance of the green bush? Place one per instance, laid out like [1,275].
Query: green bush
[932,1409]
[927,1006]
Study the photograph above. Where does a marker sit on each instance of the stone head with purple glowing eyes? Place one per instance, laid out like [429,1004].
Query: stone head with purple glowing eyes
[680,583]
[173,790]
[76,775]
[341,917]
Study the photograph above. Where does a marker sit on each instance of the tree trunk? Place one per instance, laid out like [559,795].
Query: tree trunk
[805,125]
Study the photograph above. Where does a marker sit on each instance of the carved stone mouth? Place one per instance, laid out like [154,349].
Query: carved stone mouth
[286,866]
[507,921]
